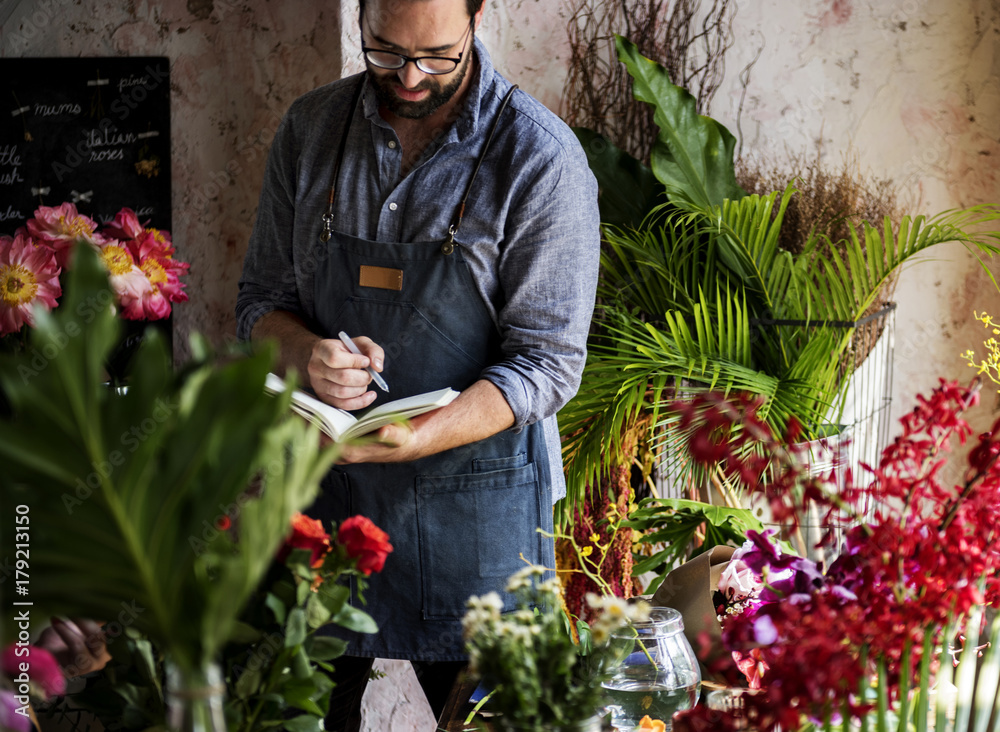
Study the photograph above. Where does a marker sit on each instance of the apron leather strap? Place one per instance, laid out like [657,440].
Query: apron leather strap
[328,216]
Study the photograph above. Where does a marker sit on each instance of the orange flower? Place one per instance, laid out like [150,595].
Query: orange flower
[646,724]
[308,534]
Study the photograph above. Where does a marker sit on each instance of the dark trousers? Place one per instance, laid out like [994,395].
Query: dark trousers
[351,674]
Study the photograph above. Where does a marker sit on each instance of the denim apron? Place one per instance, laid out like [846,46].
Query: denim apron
[459,521]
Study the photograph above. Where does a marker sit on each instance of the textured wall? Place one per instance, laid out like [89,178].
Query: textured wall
[913,89]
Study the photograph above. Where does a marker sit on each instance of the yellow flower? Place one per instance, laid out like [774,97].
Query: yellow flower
[586,551]
[594,538]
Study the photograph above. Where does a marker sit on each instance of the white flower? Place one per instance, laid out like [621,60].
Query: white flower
[522,578]
[482,612]
[738,581]
[552,586]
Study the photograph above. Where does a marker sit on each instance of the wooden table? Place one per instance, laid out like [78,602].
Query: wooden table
[458,707]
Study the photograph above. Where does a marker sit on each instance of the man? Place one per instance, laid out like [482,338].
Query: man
[453,258]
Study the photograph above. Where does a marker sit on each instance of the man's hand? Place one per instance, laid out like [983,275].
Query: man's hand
[338,376]
[478,412]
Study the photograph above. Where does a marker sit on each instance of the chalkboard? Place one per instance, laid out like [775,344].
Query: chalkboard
[91,131]
[94,132]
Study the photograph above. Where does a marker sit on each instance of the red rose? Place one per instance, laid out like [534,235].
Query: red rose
[365,542]
[308,534]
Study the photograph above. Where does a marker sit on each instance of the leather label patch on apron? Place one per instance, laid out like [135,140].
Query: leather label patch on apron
[385,278]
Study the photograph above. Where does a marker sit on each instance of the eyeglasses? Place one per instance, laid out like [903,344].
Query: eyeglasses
[426,64]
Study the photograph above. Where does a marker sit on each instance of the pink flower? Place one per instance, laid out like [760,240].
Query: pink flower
[29,274]
[153,251]
[60,227]
[36,665]
[129,282]
[738,581]
[126,225]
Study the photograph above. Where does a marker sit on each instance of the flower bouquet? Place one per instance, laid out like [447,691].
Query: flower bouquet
[143,274]
[873,639]
[275,665]
[540,678]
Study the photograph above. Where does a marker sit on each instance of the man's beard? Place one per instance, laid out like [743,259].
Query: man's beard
[438,96]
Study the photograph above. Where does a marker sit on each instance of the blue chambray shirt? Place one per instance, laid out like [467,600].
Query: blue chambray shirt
[530,233]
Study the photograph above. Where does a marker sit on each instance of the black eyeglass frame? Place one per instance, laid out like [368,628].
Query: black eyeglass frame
[365,50]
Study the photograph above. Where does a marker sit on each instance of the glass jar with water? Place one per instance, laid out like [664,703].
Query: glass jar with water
[655,671]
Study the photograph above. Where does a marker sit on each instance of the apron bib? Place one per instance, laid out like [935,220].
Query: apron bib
[459,521]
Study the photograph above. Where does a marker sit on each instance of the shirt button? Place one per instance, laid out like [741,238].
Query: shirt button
[392,144]
[392,206]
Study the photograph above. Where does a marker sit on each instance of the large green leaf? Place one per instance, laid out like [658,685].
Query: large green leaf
[693,155]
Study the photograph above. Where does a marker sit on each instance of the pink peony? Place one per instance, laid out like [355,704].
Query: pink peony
[60,227]
[153,250]
[130,284]
[37,664]
[126,225]
[29,274]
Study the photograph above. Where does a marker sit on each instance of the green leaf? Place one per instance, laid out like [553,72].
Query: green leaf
[295,629]
[277,607]
[317,613]
[244,633]
[354,619]
[304,723]
[627,190]
[248,683]
[325,648]
[693,155]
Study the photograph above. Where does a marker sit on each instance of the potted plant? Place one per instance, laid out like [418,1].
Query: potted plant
[538,676]
[684,294]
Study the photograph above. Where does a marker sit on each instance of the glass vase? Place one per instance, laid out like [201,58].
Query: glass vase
[195,698]
[655,671]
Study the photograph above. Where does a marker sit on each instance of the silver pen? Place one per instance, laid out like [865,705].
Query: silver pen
[376,376]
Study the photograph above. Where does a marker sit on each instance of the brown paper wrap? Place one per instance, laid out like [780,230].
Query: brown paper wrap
[689,589]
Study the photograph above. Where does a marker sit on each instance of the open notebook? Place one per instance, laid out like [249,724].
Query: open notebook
[340,425]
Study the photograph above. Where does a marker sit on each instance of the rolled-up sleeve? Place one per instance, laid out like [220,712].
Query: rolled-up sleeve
[268,282]
[548,273]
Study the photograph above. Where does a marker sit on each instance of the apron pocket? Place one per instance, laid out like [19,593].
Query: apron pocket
[472,530]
